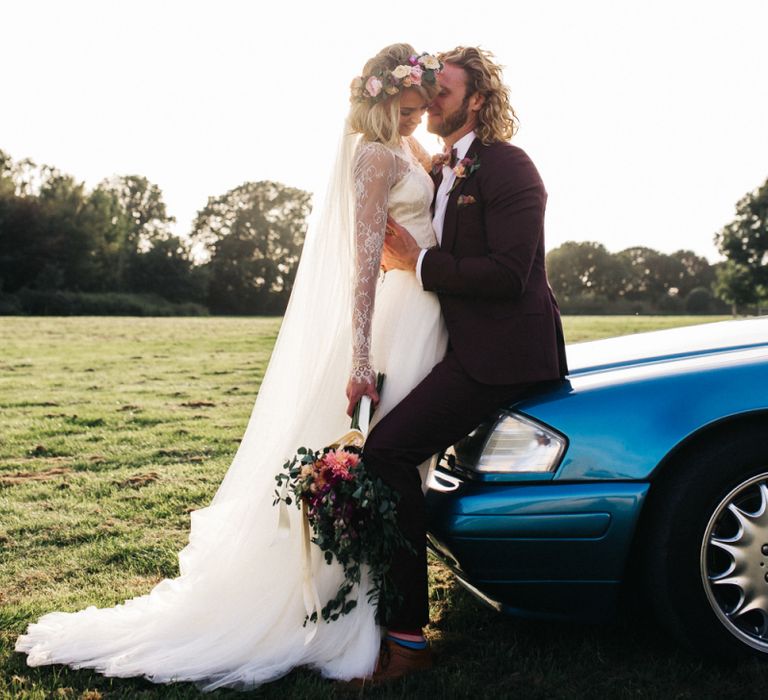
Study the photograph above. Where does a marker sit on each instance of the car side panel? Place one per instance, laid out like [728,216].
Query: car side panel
[541,550]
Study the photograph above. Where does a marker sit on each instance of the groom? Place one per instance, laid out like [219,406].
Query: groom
[502,318]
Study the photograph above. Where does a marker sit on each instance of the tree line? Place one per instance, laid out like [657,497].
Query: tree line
[110,249]
[587,278]
[67,249]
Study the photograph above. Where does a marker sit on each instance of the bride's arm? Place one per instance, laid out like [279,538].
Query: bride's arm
[375,171]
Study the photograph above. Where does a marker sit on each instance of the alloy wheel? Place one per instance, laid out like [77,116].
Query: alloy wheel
[734,562]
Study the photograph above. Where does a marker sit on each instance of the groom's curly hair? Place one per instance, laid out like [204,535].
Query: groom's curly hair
[497,120]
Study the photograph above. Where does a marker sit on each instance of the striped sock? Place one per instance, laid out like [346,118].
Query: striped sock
[408,644]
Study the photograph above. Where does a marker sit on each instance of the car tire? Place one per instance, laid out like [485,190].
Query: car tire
[704,546]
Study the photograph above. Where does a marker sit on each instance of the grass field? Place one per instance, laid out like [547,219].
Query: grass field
[113,429]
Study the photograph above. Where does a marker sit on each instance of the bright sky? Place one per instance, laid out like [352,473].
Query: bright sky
[647,120]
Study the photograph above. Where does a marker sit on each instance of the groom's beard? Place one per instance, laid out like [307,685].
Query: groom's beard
[454,122]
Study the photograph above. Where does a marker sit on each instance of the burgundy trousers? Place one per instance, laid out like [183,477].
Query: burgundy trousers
[441,410]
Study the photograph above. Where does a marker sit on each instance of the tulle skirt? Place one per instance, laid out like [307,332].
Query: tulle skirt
[234,616]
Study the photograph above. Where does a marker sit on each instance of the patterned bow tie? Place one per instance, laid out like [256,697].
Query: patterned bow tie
[442,159]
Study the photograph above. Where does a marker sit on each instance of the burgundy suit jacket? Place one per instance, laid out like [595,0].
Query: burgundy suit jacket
[502,317]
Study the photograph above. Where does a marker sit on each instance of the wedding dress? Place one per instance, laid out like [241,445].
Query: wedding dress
[234,616]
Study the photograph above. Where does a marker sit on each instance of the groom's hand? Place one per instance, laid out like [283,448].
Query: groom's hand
[356,389]
[401,252]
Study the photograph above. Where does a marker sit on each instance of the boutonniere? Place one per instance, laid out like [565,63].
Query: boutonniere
[464,168]
[465,200]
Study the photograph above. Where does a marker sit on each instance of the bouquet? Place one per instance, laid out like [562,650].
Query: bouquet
[352,516]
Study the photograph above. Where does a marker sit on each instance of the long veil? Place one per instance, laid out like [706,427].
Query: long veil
[234,615]
[302,394]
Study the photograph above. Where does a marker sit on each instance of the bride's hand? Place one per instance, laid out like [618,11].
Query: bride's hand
[356,389]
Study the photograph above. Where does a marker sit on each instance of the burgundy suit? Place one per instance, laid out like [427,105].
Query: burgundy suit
[504,335]
[502,317]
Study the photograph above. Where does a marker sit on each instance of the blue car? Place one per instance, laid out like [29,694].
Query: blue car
[648,466]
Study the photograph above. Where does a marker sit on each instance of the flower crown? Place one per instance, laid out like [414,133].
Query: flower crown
[419,70]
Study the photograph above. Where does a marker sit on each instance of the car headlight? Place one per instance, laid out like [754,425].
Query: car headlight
[518,444]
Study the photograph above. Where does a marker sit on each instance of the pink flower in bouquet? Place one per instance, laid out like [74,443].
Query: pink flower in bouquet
[340,463]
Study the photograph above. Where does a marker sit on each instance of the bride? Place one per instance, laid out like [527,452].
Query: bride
[234,616]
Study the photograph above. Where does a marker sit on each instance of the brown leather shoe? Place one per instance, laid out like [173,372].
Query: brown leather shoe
[394,662]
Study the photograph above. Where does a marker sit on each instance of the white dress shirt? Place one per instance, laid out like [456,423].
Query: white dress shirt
[441,200]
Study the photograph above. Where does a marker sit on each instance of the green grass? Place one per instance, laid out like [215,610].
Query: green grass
[578,328]
[113,429]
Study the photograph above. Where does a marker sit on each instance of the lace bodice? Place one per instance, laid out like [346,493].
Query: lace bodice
[387,180]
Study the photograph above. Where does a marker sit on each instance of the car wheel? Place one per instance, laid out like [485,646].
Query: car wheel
[706,547]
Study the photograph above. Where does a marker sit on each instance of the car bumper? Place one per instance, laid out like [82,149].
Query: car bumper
[538,550]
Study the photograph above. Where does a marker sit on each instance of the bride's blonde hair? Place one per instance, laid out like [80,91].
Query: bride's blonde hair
[379,120]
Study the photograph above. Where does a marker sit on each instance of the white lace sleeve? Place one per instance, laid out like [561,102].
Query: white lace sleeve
[375,171]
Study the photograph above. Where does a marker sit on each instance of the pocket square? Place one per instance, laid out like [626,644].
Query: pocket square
[464,200]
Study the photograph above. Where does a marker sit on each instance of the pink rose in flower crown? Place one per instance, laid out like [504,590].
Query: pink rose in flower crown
[416,73]
[373,86]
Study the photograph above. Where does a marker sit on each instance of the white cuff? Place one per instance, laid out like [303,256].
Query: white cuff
[418,265]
